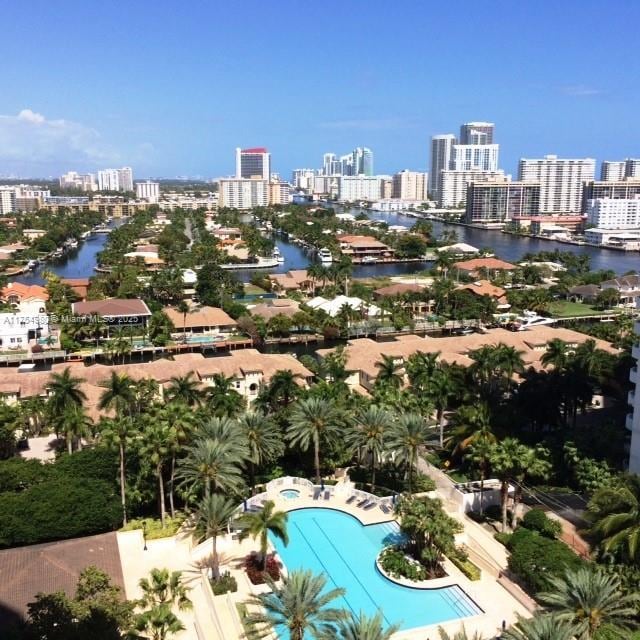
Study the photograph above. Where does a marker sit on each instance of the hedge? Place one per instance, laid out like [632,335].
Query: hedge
[467,567]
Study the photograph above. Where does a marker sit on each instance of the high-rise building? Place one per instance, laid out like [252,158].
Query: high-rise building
[612,171]
[303,179]
[561,181]
[80,181]
[441,150]
[7,200]
[477,133]
[632,168]
[474,157]
[452,187]
[243,193]
[253,163]
[279,192]
[410,185]
[115,179]
[149,191]
[331,166]
[354,188]
[627,189]
[614,213]
[125,178]
[633,418]
[499,201]
[362,161]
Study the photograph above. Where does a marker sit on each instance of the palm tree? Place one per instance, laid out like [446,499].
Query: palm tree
[509,360]
[211,520]
[75,424]
[541,627]
[158,623]
[615,512]
[556,354]
[181,419]
[389,372]
[118,394]
[260,523]
[479,453]
[441,389]
[458,635]
[407,435]
[313,420]
[222,397]
[364,627]
[471,424]
[369,434]
[593,603]
[283,388]
[185,389]
[155,447]
[183,308]
[164,588]
[300,604]
[264,439]
[118,433]
[420,369]
[64,390]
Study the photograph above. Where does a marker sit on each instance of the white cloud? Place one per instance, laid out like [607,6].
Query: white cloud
[30,144]
[580,90]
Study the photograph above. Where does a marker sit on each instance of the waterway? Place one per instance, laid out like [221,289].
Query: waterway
[80,263]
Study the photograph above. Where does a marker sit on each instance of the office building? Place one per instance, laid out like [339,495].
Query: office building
[474,157]
[149,191]
[612,171]
[441,150]
[561,181]
[243,193]
[79,181]
[477,133]
[499,201]
[410,185]
[452,187]
[356,188]
[253,163]
[614,213]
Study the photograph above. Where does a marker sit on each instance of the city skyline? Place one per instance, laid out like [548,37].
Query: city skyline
[392,100]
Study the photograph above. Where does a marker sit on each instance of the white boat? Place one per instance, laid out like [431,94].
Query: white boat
[277,255]
[530,319]
[324,255]
[32,264]
[85,235]
[369,260]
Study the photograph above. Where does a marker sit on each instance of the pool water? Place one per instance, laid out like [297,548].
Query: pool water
[290,494]
[335,544]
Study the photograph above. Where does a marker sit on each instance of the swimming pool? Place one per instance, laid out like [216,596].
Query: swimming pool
[336,544]
[290,494]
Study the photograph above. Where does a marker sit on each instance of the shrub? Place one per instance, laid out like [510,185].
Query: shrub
[395,562]
[537,520]
[154,528]
[466,566]
[226,583]
[254,570]
[503,537]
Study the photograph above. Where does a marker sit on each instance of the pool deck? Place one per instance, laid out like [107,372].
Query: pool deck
[216,618]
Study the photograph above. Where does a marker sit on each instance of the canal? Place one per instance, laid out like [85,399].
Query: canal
[80,263]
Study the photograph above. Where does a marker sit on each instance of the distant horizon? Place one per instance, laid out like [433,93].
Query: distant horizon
[172,92]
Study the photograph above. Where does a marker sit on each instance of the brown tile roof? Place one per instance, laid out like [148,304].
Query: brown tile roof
[398,289]
[291,280]
[492,264]
[24,291]
[282,306]
[112,307]
[53,566]
[200,317]
[361,241]
[484,288]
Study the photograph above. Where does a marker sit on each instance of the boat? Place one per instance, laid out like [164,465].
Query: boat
[528,320]
[58,253]
[262,263]
[324,255]
[86,234]
[277,255]
[369,260]
[101,228]
[32,264]
[72,243]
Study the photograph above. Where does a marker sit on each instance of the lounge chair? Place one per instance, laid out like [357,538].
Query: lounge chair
[316,494]
[385,508]
[327,494]
[351,498]
[370,505]
[362,502]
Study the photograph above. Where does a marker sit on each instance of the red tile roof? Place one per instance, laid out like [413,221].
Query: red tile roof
[112,307]
[484,263]
[24,291]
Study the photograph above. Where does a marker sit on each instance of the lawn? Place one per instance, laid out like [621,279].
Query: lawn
[253,290]
[568,309]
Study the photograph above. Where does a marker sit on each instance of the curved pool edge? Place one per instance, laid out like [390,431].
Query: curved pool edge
[340,509]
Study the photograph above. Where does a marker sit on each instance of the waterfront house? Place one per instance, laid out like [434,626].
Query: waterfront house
[359,247]
[202,320]
[272,308]
[476,266]
[33,234]
[80,286]
[115,311]
[27,299]
[18,329]
[584,293]
[411,291]
[628,288]
[485,288]
[294,280]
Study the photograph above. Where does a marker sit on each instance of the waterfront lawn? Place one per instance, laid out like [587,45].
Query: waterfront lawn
[252,290]
[569,309]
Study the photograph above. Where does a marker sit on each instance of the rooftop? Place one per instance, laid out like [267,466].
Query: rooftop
[24,291]
[111,308]
[200,317]
[493,264]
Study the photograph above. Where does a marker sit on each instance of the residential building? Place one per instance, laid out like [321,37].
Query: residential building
[629,239]
[359,247]
[326,186]
[626,189]
[441,149]
[334,306]
[201,320]
[612,170]
[452,190]
[114,311]
[561,181]
[476,266]
[331,166]
[363,161]
[79,181]
[303,179]
[633,418]
[7,200]
[125,178]
[27,299]
[614,213]
[632,168]
[294,280]
[279,192]
[278,307]
[477,133]
[410,185]
[500,201]
[355,188]
[474,157]
[149,191]
[108,180]
[628,288]
[540,224]
[386,187]
[18,329]
[243,193]
[253,163]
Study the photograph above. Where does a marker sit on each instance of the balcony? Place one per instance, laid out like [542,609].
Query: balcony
[633,375]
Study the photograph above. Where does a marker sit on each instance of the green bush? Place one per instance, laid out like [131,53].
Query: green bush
[394,562]
[467,567]
[503,537]
[153,526]
[18,474]
[537,520]
[226,583]
[535,558]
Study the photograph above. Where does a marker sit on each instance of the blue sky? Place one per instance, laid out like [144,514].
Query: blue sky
[172,88]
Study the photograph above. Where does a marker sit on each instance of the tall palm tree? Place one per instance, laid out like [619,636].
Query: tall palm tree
[471,424]
[181,419]
[211,520]
[260,523]
[364,627]
[461,634]
[407,435]
[369,433]
[389,372]
[479,453]
[556,354]
[185,389]
[541,626]
[164,588]
[222,397]
[264,440]
[509,360]
[155,447]
[283,388]
[420,369]
[118,394]
[183,308]
[64,390]
[313,420]
[300,604]
[615,513]
[75,424]
[118,433]
[440,390]
[593,603]
[157,623]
